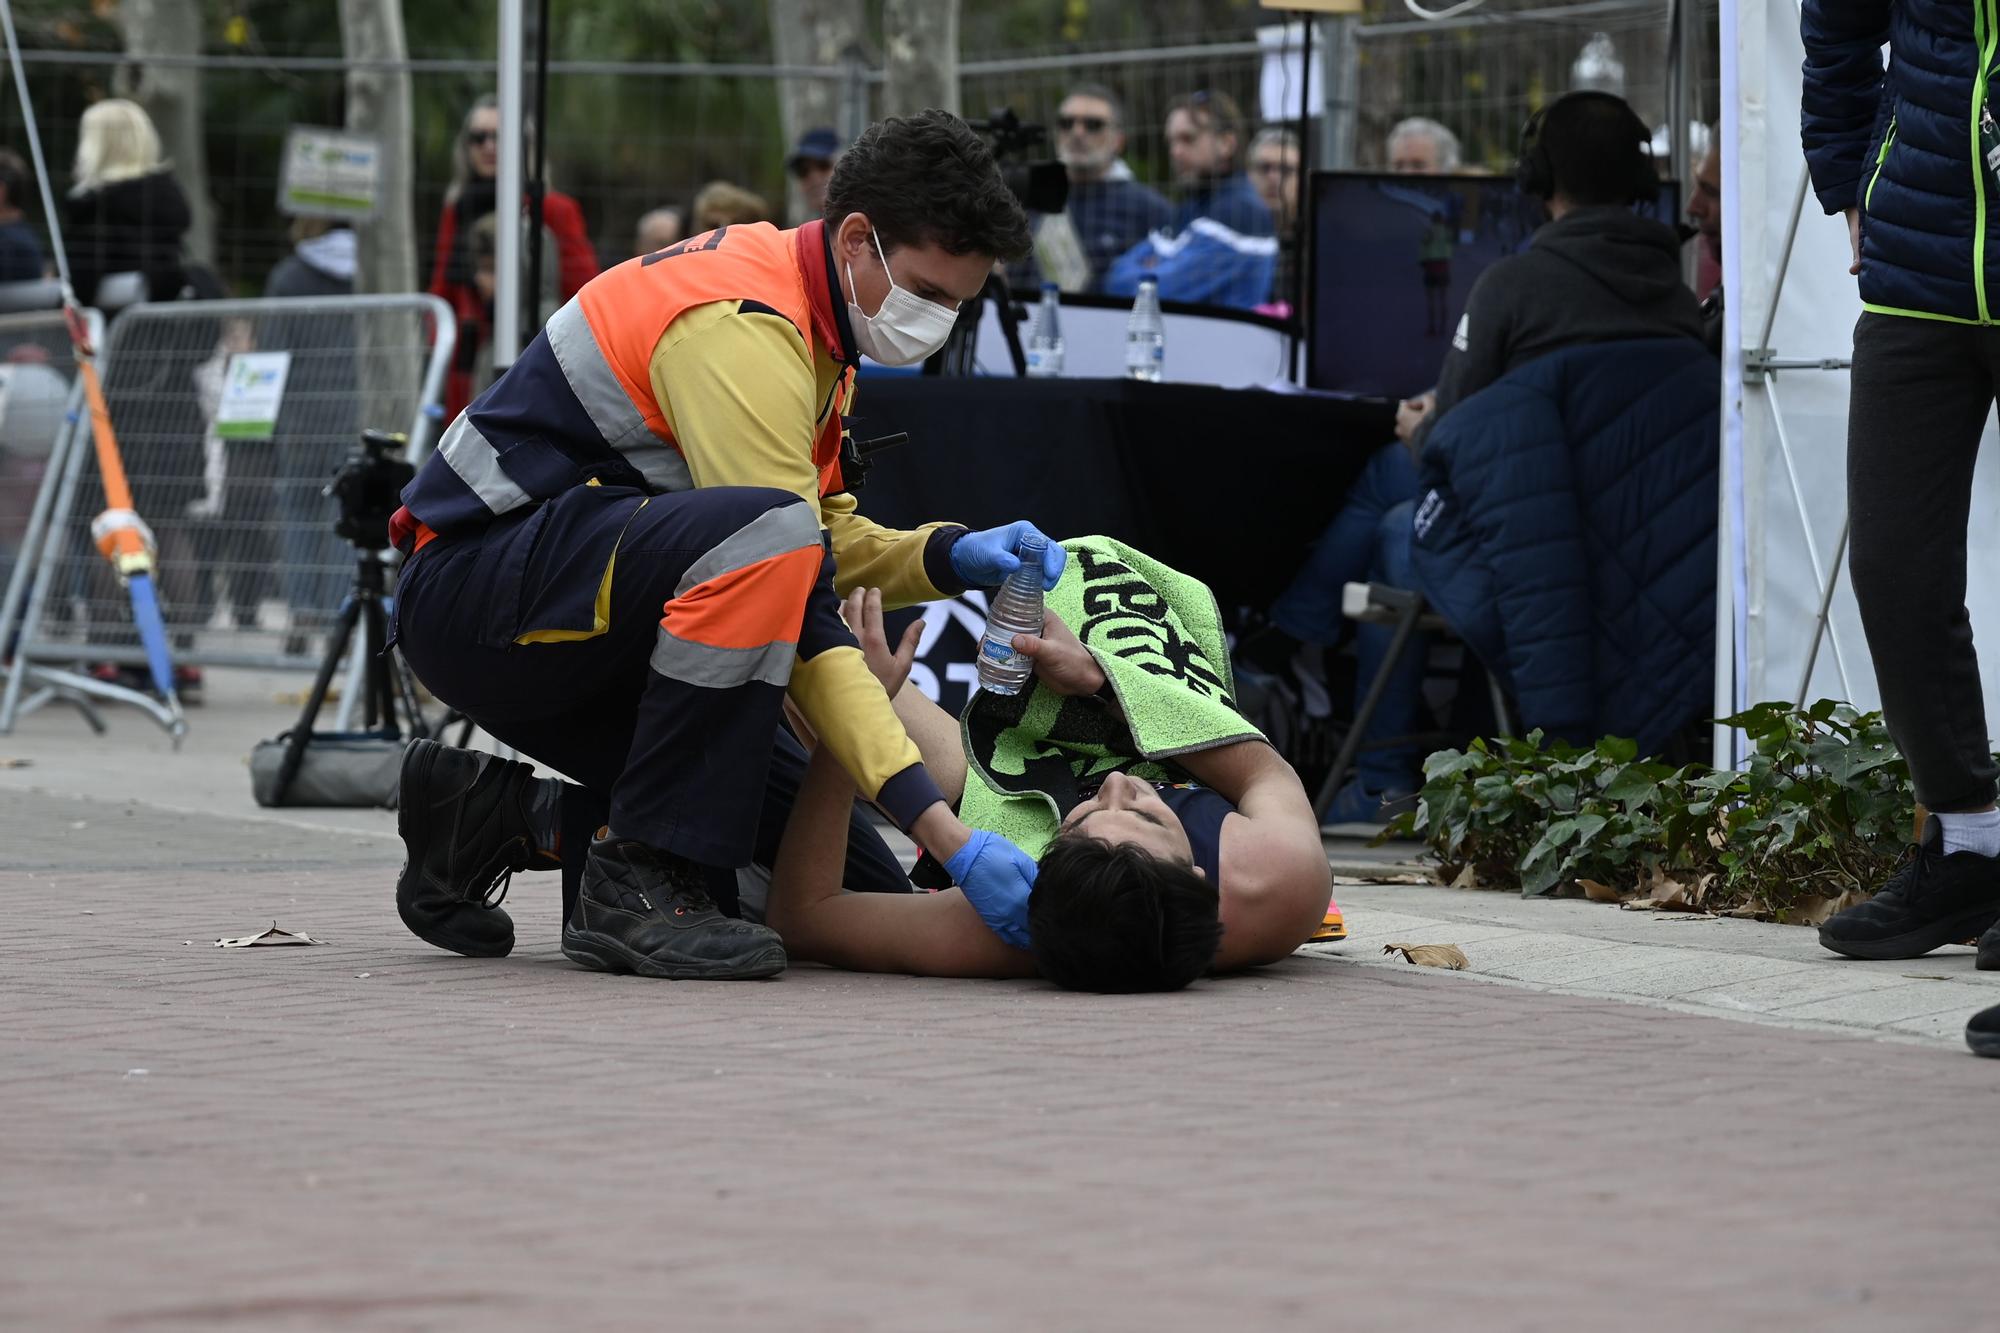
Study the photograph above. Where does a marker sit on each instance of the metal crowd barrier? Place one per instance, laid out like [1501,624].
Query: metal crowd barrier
[250,571]
[40,398]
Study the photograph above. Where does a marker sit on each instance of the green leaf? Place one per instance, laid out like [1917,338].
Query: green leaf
[1445,764]
[1540,879]
[1618,749]
[1632,785]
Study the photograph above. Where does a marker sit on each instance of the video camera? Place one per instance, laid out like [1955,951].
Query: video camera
[368,487]
[1041,184]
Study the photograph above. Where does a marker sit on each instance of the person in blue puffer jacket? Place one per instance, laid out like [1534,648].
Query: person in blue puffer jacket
[1221,248]
[1909,155]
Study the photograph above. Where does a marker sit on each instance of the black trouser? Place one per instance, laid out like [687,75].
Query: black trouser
[1920,395]
[677,752]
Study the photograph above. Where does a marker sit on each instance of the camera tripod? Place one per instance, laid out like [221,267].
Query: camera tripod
[388,685]
[365,488]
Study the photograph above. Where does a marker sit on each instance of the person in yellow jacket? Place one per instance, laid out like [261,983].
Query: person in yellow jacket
[628,551]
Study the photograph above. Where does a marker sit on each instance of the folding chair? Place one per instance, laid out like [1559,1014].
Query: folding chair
[1381,604]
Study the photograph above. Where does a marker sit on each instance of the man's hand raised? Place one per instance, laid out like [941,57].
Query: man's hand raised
[1062,663]
[863,613]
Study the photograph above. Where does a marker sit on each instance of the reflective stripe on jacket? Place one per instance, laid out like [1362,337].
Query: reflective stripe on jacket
[579,402]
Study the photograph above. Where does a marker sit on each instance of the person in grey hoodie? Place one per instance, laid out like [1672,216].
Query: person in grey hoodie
[321,262]
[1596,272]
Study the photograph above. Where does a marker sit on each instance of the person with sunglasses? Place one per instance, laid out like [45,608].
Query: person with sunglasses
[811,164]
[454,268]
[1220,248]
[1109,211]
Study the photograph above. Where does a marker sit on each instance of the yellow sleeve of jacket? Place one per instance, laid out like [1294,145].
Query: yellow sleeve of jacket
[844,703]
[740,393]
[737,390]
[909,567]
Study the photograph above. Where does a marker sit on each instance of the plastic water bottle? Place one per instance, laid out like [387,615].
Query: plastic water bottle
[1045,341]
[1145,335]
[1016,609]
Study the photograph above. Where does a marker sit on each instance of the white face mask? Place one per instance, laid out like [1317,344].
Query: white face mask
[906,328]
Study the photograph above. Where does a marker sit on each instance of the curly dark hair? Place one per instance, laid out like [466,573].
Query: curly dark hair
[1115,918]
[928,179]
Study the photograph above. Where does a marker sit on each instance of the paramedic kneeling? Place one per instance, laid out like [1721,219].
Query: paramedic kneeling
[628,550]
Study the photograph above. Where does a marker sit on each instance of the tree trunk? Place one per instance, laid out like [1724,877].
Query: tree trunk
[171,95]
[920,56]
[378,105]
[812,32]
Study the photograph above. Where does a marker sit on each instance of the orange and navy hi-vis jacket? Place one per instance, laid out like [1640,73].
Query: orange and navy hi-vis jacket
[723,360]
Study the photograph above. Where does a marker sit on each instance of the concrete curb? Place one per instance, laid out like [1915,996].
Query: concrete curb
[1749,971]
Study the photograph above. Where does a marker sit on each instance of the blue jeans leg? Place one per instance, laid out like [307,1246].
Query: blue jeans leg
[1395,768]
[1309,608]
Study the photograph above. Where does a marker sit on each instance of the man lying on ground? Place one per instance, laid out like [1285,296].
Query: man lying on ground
[1145,885]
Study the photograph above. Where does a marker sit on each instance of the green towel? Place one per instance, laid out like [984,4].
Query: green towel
[1033,756]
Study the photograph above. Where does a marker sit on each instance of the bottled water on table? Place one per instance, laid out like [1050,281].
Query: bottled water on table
[1145,335]
[1016,609]
[1045,342]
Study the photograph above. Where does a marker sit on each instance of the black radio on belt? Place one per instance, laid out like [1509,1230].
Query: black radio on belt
[857,456]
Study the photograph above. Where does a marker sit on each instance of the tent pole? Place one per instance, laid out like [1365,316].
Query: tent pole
[506,331]
[1823,628]
[1784,260]
[1820,579]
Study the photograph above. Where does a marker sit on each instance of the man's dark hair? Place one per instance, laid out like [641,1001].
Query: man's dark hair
[1597,151]
[928,179]
[1102,94]
[13,177]
[1213,111]
[1117,919]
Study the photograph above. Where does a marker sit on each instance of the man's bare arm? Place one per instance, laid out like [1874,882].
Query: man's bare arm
[1275,877]
[924,934]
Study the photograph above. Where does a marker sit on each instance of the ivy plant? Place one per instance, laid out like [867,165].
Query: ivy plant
[1821,807]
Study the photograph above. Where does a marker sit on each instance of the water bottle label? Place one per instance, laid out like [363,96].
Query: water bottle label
[1001,651]
[1035,359]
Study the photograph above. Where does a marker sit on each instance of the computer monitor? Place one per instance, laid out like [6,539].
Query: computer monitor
[1393,257]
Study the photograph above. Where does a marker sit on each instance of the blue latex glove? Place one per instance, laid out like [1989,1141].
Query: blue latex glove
[985,559]
[996,876]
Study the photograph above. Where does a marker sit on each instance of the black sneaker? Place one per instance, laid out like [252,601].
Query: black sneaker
[648,912]
[1932,900]
[1989,949]
[1982,1032]
[463,815]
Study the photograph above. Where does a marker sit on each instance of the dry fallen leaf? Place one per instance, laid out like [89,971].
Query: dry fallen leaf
[1815,911]
[1468,878]
[1431,955]
[1600,893]
[275,935]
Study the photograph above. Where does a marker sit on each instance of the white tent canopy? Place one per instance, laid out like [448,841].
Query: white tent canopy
[1792,306]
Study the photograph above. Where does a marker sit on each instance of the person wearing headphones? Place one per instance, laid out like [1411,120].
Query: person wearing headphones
[1597,271]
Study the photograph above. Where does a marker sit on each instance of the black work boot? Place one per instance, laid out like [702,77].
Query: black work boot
[467,821]
[1982,1033]
[648,912]
[1932,900]
[1989,949]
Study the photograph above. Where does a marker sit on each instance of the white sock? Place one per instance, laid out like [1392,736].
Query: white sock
[1978,832]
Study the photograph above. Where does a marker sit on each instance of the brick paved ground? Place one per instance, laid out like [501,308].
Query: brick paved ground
[375,1135]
